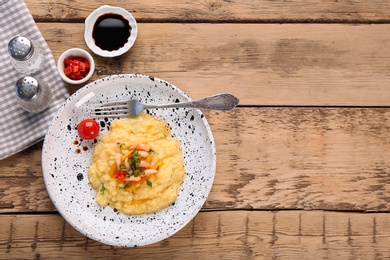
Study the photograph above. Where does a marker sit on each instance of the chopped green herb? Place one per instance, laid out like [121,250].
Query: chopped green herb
[135,155]
[137,163]
[102,189]
[149,183]
[122,167]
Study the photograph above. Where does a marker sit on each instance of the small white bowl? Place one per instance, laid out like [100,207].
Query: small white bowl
[75,52]
[91,20]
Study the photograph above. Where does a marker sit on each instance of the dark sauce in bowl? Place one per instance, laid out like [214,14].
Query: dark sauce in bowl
[111,32]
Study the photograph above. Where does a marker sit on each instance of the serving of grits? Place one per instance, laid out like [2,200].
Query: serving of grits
[137,166]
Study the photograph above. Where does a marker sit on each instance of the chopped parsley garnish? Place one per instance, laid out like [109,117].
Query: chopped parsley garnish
[102,189]
[135,155]
[149,183]
[122,167]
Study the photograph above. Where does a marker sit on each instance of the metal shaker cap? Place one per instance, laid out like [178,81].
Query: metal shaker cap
[27,88]
[20,48]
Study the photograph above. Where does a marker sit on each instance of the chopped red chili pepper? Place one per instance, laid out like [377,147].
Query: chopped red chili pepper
[120,175]
[76,68]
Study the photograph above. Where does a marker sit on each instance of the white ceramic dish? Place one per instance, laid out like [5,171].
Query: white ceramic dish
[65,171]
[75,52]
[91,20]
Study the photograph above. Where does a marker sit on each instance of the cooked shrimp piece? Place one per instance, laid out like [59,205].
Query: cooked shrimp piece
[143,147]
[127,164]
[144,164]
[118,158]
[143,154]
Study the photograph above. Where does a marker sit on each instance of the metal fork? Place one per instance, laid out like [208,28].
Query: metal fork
[224,101]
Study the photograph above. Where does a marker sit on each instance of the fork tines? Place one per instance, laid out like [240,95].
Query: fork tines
[111,109]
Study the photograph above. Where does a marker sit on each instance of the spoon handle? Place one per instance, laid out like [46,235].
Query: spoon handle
[224,101]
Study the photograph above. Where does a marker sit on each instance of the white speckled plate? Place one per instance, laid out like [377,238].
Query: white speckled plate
[65,170]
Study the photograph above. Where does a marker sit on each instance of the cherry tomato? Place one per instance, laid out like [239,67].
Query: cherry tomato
[88,129]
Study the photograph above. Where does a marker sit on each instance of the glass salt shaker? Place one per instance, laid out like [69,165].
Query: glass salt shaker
[32,96]
[26,57]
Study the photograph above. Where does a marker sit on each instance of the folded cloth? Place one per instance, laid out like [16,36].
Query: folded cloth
[20,129]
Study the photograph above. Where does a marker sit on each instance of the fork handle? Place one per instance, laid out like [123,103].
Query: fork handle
[223,101]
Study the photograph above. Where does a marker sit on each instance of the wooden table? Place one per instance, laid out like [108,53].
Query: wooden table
[303,164]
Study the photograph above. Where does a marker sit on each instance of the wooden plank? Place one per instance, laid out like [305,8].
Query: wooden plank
[221,11]
[22,186]
[269,64]
[240,234]
[310,158]
[282,158]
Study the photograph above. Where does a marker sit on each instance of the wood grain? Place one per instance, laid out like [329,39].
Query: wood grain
[302,165]
[264,65]
[282,158]
[238,235]
[306,158]
[221,11]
